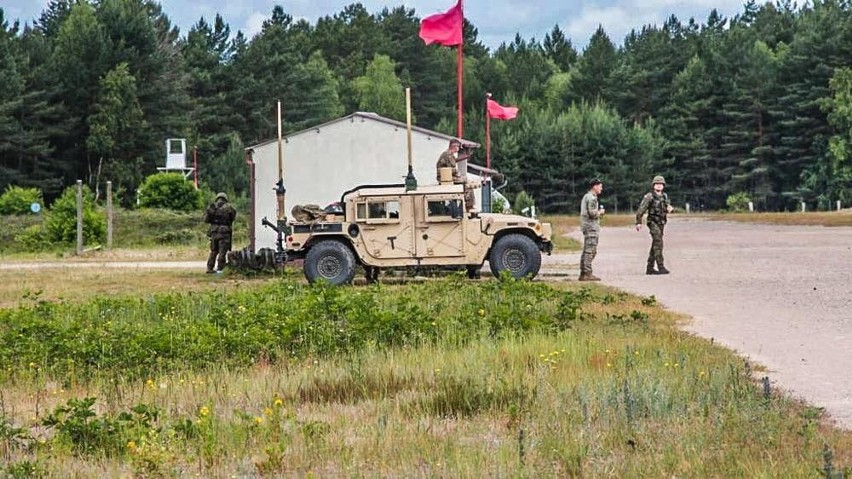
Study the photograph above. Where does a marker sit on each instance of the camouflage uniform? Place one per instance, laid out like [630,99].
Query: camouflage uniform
[448,160]
[590,224]
[657,207]
[220,215]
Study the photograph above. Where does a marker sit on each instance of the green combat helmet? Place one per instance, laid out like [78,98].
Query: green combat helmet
[658,179]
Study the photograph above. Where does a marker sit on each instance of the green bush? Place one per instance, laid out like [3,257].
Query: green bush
[498,205]
[60,222]
[33,238]
[16,200]
[522,201]
[738,202]
[170,191]
[140,336]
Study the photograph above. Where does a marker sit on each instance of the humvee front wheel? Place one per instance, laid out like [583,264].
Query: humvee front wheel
[331,261]
[517,254]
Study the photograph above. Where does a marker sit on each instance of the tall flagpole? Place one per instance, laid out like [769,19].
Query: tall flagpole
[460,65]
[487,133]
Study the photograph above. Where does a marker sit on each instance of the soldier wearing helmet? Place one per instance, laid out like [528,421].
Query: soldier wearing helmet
[220,216]
[656,204]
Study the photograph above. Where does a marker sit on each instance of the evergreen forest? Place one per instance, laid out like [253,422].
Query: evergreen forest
[758,105]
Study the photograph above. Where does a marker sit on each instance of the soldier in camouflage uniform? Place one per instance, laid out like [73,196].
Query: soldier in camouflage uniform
[220,215]
[657,205]
[590,224]
[448,160]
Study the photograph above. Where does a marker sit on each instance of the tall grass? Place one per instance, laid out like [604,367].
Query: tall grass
[447,378]
[142,228]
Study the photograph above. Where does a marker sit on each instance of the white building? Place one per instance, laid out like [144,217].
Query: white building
[322,162]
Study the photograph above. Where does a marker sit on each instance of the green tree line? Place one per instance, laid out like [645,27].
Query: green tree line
[759,104]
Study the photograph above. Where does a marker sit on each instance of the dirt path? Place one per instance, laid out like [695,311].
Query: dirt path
[780,295]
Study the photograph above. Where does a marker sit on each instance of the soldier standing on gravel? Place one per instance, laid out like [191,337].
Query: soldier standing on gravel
[220,215]
[657,205]
[590,224]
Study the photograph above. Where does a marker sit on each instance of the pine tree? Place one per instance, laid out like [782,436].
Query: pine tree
[559,49]
[595,68]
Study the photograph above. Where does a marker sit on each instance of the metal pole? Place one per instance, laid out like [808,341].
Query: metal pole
[408,124]
[280,146]
[280,191]
[410,180]
[195,164]
[79,217]
[487,133]
[109,214]
[460,62]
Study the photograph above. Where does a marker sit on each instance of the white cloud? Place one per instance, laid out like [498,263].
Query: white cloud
[254,24]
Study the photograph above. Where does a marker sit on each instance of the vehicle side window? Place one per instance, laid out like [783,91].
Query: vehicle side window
[443,210]
[379,211]
[393,209]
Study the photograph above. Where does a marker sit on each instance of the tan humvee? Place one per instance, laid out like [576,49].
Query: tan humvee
[386,227]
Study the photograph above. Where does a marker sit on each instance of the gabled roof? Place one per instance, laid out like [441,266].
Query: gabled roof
[372,117]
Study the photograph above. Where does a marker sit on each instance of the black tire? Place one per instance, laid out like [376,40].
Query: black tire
[517,254]
[331,261]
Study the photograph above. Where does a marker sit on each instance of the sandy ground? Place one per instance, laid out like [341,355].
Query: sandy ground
[778,295]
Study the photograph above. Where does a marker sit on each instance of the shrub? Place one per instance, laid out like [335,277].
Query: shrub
[522,201]
[60,222]
[169,191]
[32,238]
[738,202]
[498,205]
[16,200]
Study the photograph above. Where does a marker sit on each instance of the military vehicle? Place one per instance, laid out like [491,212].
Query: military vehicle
[387,227]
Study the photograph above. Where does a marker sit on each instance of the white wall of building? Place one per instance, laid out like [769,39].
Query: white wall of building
[323,162]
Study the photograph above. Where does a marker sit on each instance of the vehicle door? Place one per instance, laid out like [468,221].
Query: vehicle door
[387,228]
[440,226]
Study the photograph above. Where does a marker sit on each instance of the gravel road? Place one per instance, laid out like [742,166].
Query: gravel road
[779,295]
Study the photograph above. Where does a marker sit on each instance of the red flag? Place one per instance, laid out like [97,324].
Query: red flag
[495,110]
[443,28]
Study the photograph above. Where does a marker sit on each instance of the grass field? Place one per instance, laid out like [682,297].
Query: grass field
[269,377]
[835,218]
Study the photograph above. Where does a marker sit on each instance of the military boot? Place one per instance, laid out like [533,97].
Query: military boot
[662,269]
[650,268]
[588,277]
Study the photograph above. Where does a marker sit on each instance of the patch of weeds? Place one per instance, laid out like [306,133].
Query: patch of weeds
[78,425]
[570,308]
[11,437]
[636,317]
[650,301]
[466,397]
[24,470]
[140,336]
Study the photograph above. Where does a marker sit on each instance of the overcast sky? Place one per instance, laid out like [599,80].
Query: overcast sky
[497,20]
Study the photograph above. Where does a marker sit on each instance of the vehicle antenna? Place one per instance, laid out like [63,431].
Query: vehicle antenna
[410,180]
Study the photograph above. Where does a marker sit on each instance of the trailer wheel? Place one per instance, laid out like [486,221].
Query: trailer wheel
[331,261]
[517,254]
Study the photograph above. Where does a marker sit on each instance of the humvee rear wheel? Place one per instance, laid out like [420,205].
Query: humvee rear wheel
[331,261]
[517,254]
